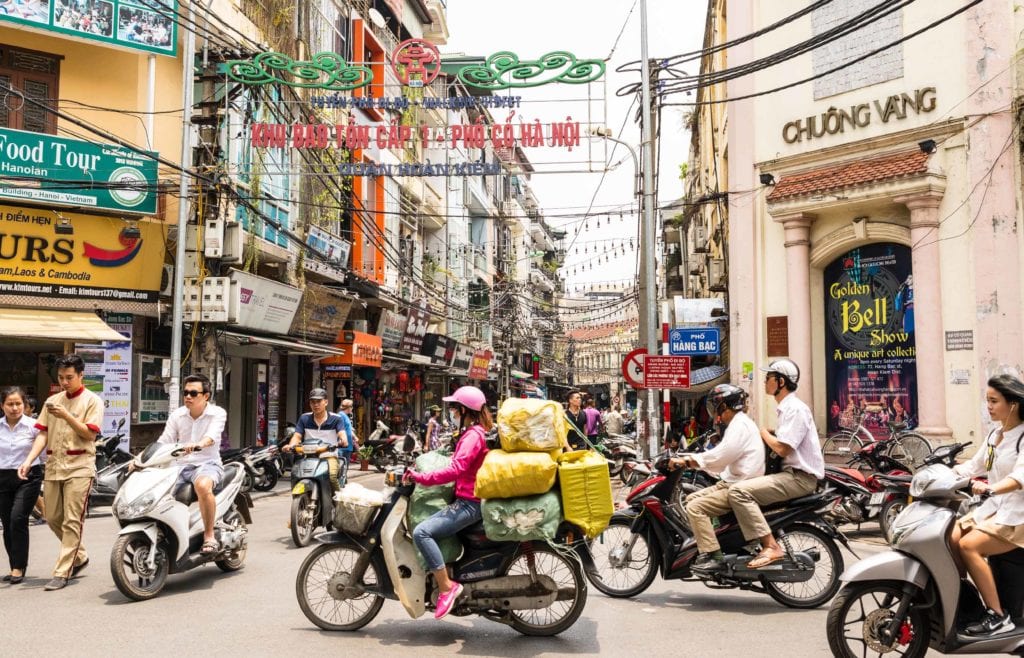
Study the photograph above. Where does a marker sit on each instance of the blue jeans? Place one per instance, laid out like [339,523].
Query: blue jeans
[445,523]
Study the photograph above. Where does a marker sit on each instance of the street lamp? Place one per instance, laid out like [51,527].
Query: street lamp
[649,300]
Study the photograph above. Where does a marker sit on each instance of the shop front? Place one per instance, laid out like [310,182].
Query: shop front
[354,375]
[441,351]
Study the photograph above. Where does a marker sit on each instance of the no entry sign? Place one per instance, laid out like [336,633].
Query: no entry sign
[633,368]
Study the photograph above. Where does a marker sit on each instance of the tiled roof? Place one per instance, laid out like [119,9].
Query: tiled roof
[851,174]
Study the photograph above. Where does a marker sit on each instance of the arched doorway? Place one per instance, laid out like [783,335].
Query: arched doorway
[870,349]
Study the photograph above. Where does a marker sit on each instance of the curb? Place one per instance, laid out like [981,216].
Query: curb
[280,491]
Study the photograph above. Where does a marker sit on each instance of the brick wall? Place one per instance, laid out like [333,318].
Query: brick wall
[886,65]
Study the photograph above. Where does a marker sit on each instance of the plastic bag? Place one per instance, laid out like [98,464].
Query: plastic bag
[513,474]
[586,490]
[427,501]
[353,492]
[522,519]
[531,425]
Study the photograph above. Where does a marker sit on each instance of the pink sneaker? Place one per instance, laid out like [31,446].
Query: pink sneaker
[446,601]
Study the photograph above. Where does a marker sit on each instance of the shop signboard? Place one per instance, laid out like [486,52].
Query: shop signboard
[321,315]
[415,330]
[98,259]
[480,363]
[139,24]
[439,348]
[361,349]
[108,373]
[265,305]
[870,357]
[703,341]
[42,168]
[337,371]
[391,329]
[462,358]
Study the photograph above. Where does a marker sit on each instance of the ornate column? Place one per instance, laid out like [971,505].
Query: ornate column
[928,330]
[797,228]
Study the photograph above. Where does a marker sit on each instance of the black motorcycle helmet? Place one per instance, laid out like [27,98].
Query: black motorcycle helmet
[725,396]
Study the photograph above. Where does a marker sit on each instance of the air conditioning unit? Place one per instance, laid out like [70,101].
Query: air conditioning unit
[700,239]
[167,281]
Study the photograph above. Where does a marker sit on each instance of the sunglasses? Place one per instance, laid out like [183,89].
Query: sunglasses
[193,393]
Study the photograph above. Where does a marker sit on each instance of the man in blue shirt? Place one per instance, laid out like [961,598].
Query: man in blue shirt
[320,425]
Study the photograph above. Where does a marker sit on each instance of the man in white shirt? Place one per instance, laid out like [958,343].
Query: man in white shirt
[796,441]
[199,425]
[738,456]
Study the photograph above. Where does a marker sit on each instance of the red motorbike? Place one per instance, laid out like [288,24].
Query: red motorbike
[864,494]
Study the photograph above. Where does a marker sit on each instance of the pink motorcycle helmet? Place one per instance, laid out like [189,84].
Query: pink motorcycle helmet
[470,397]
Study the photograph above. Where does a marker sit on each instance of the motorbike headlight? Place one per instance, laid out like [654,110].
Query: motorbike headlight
[909,520]
[135,508]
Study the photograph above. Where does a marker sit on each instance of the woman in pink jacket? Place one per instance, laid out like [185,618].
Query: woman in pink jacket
[469,411]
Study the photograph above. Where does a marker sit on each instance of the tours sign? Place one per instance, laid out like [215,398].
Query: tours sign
[70,172]
[137,24]
[100,259]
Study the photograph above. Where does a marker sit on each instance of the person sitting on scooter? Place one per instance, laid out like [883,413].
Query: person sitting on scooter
[795,440]
[469,412]
[332,429]
[997,526]
[199,425]
[739,456]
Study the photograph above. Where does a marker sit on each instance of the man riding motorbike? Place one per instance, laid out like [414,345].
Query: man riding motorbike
[739,456]
[795,440]
[333,429]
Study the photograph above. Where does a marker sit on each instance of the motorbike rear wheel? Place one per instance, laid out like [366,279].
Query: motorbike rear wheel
[888,515]
[824,584]
[266,480]
[624,561]
[234,560]
[321,588]
[128,568]
[859,613]
[565,570]
[304,519]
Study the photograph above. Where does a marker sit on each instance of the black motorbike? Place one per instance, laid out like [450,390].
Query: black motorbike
[312,503]
[111,469]
[653,535]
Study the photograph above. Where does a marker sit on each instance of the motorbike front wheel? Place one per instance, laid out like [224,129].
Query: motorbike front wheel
[382,459]
[863,610]
[567,575]
[267,479]
[129,566]
[823,585]
[624,561]
[304,516]
[888,516]
[325,595]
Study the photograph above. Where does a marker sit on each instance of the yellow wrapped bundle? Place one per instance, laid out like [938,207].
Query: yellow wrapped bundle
[513,474]
[586,490]
[531,425]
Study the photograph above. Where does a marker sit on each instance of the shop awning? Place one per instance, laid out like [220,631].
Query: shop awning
[292,346]
[519,374]
[55,325]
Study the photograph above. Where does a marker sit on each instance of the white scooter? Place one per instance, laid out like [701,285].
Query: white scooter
[162,528]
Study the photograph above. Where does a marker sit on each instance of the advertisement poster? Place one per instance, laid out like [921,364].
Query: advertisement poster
[154,401]
[108,373]
[871,363]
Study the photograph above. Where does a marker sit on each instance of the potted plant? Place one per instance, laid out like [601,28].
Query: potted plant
[364,457]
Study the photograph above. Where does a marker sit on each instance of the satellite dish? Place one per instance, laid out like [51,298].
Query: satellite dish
[377,18]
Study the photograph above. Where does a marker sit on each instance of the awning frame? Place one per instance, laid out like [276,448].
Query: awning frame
[67,326]
[293,346]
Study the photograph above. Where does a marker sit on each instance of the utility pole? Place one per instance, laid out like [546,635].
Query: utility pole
[649,288]
[187,83]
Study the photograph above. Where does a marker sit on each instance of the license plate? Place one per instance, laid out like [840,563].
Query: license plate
[877,498]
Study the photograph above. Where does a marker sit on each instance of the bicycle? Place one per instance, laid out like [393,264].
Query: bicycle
[903,445]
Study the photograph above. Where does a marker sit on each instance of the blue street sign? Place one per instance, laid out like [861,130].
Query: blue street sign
[701,341]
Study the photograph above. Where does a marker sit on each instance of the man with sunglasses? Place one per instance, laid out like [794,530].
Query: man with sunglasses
[199,425]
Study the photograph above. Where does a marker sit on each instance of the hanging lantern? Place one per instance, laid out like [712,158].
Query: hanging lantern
[417,383]
[403,381]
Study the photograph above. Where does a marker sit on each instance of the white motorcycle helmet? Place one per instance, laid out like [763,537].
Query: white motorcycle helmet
[786,369]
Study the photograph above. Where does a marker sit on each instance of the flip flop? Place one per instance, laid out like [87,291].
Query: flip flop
[209,547]
[763,560]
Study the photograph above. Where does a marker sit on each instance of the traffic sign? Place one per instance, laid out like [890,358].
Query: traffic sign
[633,368]
[662,371]
[700,341]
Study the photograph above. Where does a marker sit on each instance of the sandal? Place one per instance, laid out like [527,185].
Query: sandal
[209,547]
[764,558]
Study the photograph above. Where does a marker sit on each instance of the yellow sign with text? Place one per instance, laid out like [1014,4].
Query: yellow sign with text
[85,256]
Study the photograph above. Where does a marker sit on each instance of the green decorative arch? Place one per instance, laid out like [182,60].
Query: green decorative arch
[504,70]
[325,71]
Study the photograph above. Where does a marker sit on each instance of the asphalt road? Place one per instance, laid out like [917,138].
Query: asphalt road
[254,612]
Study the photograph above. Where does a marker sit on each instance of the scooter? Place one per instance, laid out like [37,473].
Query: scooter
[108,449]
[162,528]
[653,535]
[312,504]
[111,469]
[265,469]
[910,598]
[536,587]
[384,453]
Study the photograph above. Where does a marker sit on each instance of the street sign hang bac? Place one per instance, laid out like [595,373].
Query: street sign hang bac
[700,341]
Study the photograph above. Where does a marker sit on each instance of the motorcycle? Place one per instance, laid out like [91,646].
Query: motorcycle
[265,469]
[162,528]
[653,535]
[312,502]
[863,492]
[537,588]
[384,453]
[409,445]
[111,469]
[619,449]
[242,457]
[896,495]
[911,597]
[108,449]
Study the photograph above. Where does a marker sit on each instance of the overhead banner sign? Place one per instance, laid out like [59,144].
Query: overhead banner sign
[265,305]
[139,24]
[321,314]
[70,172]
[97,260]
[871,351]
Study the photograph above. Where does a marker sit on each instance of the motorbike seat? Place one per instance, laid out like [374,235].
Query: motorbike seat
[793,502]
[231,471]
[475,535]
[232,453]
[184,493]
